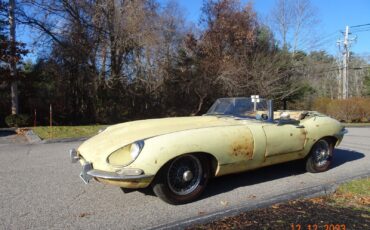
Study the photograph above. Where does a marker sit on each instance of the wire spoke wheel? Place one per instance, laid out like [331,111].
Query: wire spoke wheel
[321,153]
[183,179]
[320,156]
[184,175]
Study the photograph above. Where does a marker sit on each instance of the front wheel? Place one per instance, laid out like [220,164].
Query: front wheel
[183,179]
[320,157]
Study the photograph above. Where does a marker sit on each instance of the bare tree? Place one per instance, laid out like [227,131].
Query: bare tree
[295,22]
[281,18]
[357,75]
[13,61]
[321,73]
[304,20]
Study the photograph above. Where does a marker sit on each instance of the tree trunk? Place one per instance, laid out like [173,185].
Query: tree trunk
[13,61]
[200,103]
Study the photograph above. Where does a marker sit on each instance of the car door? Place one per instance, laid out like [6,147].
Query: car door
[284,138]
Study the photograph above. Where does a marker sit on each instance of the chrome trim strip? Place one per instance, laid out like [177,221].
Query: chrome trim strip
[115,176]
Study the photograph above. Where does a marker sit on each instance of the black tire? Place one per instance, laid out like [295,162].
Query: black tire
[320,156]
[183,179]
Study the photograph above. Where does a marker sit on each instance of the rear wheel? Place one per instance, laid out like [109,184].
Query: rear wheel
[183,179]
[320,156]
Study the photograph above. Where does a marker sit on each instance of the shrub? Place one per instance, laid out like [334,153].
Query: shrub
[321,104]
[364,104]
[344,110]
[348,110]
[17,120]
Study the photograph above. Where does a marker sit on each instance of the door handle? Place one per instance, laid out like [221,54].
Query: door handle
[299,126]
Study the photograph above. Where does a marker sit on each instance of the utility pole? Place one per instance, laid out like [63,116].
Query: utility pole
[345,64]
[344,48]
[339,77]
[13,61]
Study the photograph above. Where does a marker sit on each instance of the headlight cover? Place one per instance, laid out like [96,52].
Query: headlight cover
[126,155]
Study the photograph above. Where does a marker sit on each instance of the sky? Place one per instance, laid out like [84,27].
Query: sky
[334,15]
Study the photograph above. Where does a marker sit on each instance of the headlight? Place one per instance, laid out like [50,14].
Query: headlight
[126,155]
[135,150]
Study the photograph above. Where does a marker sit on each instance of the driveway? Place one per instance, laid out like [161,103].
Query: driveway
[9,136]
[40,188]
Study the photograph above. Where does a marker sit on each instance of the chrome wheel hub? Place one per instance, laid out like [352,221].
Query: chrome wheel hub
[322,153]
[187,176]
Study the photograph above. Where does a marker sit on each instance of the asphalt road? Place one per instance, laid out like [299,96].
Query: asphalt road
[40,188]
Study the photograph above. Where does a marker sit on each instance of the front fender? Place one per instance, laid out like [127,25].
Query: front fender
[230,145]
[319,127]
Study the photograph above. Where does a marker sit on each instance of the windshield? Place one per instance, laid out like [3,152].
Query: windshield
[240,107]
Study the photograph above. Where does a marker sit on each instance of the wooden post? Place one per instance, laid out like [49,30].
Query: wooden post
[51,122]
[35,119]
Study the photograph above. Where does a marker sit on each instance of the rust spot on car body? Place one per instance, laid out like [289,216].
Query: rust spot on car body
[243,148]
[303,134]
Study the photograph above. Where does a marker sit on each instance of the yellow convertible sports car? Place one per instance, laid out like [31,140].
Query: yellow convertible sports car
[177,156]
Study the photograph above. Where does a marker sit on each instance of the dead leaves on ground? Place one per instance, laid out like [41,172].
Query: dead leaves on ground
[224,203]
[350,199]
[84,214]
[282,215]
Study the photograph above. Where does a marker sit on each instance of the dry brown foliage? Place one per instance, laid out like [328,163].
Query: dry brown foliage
[350,110]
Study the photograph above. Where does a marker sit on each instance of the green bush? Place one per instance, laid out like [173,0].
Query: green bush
[17,120]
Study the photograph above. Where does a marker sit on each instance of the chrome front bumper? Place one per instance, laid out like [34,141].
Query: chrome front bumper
[73,155]
[341,133]
[344,131]
[88,172]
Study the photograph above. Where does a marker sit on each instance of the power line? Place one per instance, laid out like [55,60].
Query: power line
[325,39]
[363,30]
[368,24]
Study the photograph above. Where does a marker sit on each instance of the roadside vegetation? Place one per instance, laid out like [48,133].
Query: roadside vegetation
[352,110]
[354,194]
[144,59]
[57,132]
[365,124]
[347,208]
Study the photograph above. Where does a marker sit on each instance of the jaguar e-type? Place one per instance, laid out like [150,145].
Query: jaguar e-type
[177,156]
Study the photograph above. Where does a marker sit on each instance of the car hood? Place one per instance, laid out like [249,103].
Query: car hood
[117,136]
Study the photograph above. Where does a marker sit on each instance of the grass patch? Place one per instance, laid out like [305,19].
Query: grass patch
[367,124]
[347,208]
[355,194]
[57,132]
[359,187]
